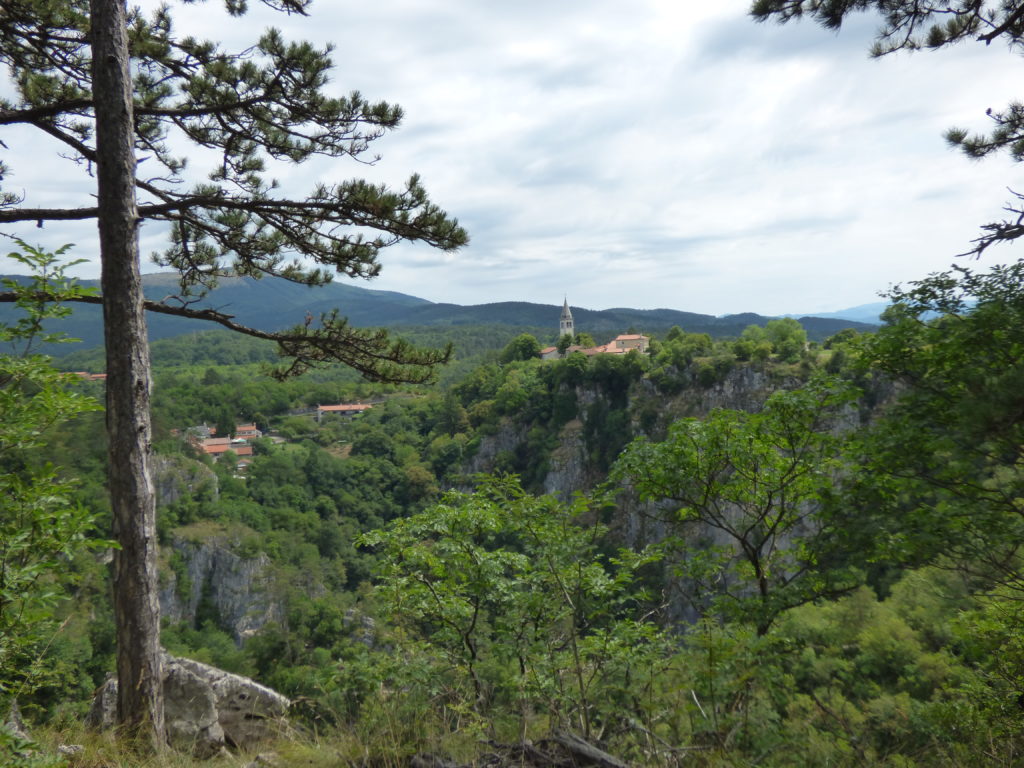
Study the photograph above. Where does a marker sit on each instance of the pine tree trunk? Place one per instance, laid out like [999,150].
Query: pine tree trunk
[137,612]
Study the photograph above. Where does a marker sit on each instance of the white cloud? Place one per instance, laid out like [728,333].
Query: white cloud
[652,154]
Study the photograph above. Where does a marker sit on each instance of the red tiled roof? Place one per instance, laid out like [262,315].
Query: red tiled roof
[215,448]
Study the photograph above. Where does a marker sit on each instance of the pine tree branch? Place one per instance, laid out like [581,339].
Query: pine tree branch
[369,351]
[45,111]
[46,214]
[1014,19]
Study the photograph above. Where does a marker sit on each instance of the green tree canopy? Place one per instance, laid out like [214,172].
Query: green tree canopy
[585,340]
[944,465]
[40,525]
[787,338]
[514,593]
[523,347]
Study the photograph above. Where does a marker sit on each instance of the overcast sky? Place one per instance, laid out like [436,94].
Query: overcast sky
[655,153]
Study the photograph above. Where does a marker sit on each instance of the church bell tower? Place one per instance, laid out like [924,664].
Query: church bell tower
[565,324]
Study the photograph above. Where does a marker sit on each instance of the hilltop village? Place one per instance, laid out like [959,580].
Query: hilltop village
[568,335]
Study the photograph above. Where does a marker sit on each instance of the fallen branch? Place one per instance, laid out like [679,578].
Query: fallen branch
[585,753]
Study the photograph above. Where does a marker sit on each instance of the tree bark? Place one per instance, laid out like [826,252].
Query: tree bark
[140,710]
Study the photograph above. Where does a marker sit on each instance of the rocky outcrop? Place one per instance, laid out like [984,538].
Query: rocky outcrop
[205,566]
[570,466]
[507,438]
[569,469]
[206,709]
[178,477]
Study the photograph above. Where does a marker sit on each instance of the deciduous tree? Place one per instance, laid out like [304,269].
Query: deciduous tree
[40,526]
[945,468]
[523,347]
[512,591]
[743,493]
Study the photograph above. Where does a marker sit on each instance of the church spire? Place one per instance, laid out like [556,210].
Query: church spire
[565,323]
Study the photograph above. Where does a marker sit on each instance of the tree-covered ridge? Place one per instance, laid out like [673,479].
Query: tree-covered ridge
[271,304]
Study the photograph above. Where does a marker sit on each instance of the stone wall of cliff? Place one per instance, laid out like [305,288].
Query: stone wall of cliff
[570,464]
[177,477]
[208,562]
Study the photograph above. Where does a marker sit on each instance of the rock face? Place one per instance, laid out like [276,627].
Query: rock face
[13,723]
[206,709]
[507,438]
[177,477]
[238,587]
[571,470]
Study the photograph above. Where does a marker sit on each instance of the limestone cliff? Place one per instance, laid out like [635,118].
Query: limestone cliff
[506,439]
[571,466]
[574,463]
[208,563]
[176,477]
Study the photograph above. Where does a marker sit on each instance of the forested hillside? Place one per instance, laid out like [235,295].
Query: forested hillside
[758,551]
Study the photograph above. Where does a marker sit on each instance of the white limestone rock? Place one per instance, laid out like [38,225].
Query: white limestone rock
[206,708]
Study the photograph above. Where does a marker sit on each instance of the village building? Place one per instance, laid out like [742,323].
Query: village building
[622,344]
[247,432]
[218,446]
[347,410]
[200,432]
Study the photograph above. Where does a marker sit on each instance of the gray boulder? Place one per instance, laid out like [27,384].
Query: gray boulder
[190,712]
[205,709]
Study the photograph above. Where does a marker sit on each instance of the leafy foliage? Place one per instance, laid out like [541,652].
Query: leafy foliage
[499,581]
[945,463]
[753,487]
[522,347]
[41,528]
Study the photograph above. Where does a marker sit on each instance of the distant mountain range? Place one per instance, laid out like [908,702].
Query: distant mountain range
[273,304]
[862,313]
